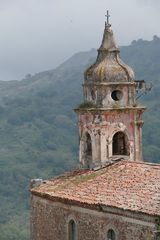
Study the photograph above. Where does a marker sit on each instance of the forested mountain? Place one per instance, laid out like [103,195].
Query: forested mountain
[38,131]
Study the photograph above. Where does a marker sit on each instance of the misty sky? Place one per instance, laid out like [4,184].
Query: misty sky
[37,35]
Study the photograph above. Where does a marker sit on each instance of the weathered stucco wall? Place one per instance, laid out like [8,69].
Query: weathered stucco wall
[100,94]
[49,221]
[102,127]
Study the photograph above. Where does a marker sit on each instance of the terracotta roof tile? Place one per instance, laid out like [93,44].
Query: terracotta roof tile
[127,185]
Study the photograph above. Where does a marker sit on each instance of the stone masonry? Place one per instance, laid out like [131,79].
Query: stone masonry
[50,222]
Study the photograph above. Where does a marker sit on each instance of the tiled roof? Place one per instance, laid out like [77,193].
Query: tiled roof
[132,186]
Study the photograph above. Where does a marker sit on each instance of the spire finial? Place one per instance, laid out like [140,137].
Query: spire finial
[107,16]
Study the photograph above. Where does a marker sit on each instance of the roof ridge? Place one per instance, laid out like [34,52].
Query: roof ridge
[144,163]
[70,173]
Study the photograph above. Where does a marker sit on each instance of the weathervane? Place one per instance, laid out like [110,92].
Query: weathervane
[107,16]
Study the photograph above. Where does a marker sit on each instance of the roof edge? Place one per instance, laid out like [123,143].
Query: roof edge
[98,207]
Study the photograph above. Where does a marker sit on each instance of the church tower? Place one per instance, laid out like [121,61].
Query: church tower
[110,119]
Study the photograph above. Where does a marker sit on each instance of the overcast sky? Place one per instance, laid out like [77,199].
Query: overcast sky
[37,35]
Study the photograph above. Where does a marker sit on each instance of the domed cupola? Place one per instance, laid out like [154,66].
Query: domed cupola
[108,66]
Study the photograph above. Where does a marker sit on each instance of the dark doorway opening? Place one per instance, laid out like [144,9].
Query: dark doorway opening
[120,144]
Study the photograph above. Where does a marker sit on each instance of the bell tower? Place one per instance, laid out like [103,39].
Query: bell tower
[110,119]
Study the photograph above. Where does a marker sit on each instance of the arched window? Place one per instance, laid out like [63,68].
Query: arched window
[72,231]
[111,235]
[120,144]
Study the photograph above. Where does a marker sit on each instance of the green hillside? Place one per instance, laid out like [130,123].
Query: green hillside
[38,131]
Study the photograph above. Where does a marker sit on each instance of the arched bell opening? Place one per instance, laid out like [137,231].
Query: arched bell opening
[120,144]
[87,149]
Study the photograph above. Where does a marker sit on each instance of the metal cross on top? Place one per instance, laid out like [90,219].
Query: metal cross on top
[107,16]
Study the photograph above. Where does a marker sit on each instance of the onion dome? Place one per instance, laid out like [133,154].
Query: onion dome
[108,66]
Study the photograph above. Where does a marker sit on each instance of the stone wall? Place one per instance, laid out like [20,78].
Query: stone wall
[49,221]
